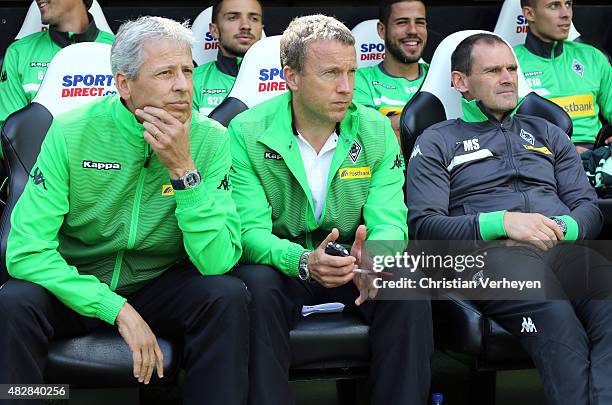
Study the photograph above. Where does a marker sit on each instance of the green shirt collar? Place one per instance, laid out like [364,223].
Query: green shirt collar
[280,134]
[475,111]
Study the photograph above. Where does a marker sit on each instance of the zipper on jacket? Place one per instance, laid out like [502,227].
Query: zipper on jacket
[117,270]
[133,219]
[512,163]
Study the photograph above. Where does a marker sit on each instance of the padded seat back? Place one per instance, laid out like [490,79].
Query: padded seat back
[369,45]
[206,47]
[260,78]
[512,26]
[32,23]
[77,75]
[437,100]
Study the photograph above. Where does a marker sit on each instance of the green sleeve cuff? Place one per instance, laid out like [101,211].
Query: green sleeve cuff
[291,260]
[572,227]
[191,197]
[491,225]
[109,306]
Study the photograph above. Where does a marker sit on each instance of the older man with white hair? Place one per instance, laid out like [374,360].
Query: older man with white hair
[310,168]
[130,223]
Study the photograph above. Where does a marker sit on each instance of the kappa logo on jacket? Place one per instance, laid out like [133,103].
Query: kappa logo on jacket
[272,156]
[88,164]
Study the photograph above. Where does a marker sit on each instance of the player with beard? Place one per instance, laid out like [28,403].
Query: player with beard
[26,60]
[389,85]
[237,25]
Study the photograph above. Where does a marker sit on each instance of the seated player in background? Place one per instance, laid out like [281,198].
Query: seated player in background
[26,60]
[388,86]
[237,25]
[576,76]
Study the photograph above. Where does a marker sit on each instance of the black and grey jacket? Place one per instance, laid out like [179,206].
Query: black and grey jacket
[464,174]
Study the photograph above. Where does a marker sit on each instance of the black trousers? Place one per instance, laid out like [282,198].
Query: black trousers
[209,314]
[401,339]
[569,338]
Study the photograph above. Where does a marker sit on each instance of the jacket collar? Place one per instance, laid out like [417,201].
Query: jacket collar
[475,111]
[281,137]
[543,49]
[126,122]
[228,64]
[382,69]
[63,39]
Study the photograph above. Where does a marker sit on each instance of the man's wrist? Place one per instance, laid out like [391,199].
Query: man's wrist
[179,171]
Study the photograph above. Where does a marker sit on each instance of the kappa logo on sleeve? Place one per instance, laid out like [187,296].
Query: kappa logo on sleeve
[225,184]
[38,178]
[88,164]
[398,163]
[3,76]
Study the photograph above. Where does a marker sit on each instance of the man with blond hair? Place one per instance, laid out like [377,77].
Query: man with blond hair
[310,168]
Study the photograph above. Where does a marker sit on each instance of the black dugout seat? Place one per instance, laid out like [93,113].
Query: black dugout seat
[460,329]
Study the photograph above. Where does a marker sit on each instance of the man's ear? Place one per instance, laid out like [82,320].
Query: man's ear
[460,81]
[529,13]
[292,78]
[214,31]
[123,85]
[380,28]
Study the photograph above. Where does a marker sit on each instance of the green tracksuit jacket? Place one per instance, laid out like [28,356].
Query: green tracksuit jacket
[213,81]
[26,61]
[577,77]
[94,223]
[364,186]
[388,94]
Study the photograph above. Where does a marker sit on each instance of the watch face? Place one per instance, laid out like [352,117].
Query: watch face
[192,179]
[302,273]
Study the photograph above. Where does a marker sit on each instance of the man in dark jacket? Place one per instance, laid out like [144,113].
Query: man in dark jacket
[496,174]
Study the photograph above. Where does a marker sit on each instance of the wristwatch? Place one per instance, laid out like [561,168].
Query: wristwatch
[190,179]
[562,225]
[303,272]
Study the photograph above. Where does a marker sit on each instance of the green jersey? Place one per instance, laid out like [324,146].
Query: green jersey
[388,94]
[273,198]
[99,217]
[213,81]
[26,61]
[577,77]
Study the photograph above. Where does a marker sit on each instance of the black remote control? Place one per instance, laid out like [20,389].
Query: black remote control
[336,249]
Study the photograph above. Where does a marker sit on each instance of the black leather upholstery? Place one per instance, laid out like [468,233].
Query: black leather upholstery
[329,341]
[22,136]
[103,359]
[422,111]
[538,106]
[228,109]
